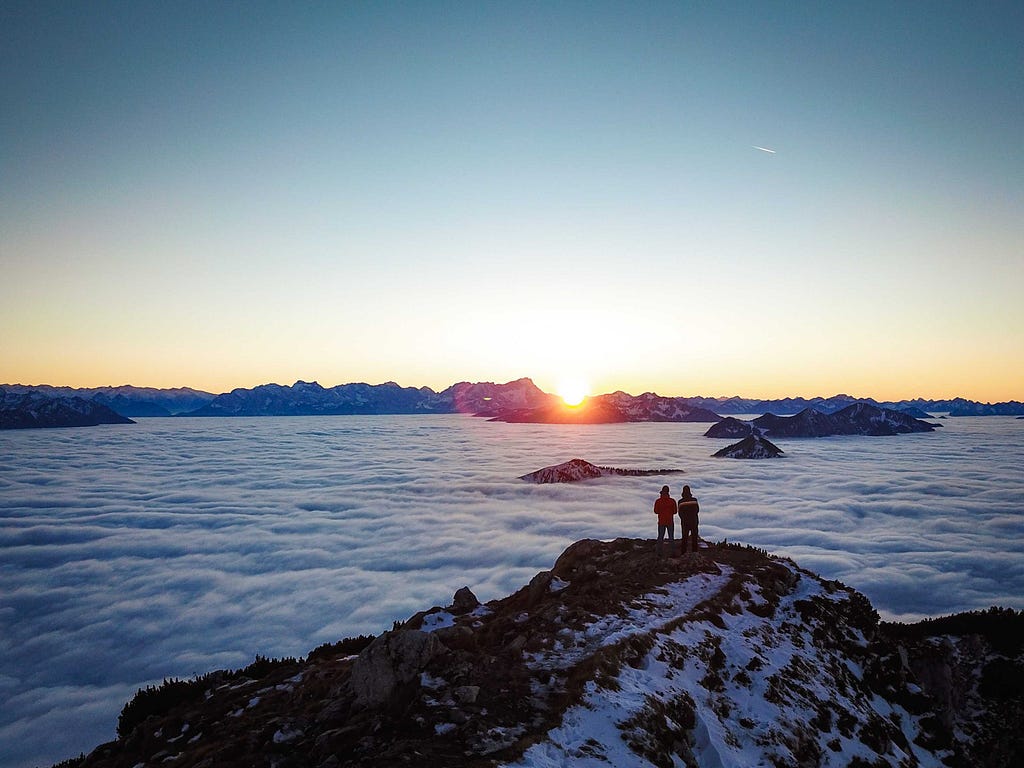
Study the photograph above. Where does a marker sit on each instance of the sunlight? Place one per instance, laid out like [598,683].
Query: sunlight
[573,391]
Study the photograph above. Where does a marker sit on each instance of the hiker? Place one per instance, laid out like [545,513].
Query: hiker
[688,509]
[665,509]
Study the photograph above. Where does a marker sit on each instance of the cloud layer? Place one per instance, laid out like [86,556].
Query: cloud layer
[177,546]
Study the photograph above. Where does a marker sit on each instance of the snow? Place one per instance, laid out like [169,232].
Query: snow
[437,620]
[557,585]
[285,734]
[739,719]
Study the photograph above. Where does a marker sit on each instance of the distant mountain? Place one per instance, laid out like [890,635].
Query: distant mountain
[29,410]
[580,469]
[489,399]
[955,407]
[311,399]
[729,657]
[961,407]
[614,408]
[750,447]
[855,419]
[127,400]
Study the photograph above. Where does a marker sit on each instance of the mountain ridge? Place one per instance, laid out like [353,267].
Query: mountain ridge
[519,400]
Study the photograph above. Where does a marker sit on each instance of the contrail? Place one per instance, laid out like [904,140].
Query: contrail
[763,149]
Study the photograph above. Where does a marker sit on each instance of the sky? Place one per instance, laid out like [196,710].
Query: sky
[221,195]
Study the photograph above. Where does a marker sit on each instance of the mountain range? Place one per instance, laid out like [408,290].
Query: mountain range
[724,657]
[515,401]
[126,399]
[855,419]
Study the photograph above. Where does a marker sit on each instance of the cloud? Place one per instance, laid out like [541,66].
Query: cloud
[174,547]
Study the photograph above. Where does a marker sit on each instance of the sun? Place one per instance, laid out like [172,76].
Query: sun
[573,391]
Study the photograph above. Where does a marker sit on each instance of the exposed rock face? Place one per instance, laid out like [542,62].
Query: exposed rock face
[30,410]
[856,419]
[727,657]
[750,447]
[579,469]
[393,659]
[464,601]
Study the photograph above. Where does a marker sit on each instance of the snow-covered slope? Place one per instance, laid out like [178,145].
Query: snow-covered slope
[725,658]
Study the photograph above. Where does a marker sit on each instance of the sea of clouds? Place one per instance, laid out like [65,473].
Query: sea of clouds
[177,546]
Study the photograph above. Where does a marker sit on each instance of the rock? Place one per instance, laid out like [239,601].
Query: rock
[466,694]
[458,637]
[464,601]
[577,554]
[516,645]
[393,659]
[538,588]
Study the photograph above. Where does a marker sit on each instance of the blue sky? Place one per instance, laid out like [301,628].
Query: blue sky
[222,195]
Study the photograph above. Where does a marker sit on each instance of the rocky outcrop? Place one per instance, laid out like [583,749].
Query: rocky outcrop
[31,410]
[392,660]
[726,657]
[579,469]
[750,447]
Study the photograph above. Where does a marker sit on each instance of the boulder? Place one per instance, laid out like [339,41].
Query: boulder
[393,659]
[464,601]
[538,587]
[578,554]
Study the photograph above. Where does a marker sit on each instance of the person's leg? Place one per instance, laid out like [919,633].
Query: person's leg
[696,538]
[688,537]
[661,537]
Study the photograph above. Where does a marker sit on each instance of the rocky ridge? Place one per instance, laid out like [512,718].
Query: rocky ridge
[580,469]
[729,657]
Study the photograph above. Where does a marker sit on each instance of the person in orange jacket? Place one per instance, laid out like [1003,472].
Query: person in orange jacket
[665,509]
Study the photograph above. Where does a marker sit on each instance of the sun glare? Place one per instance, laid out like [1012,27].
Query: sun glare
[573,391]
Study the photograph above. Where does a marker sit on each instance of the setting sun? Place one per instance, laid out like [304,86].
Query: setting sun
[573,391]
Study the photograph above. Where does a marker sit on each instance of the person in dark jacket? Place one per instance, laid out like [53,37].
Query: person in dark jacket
[688,509]
[665,509]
